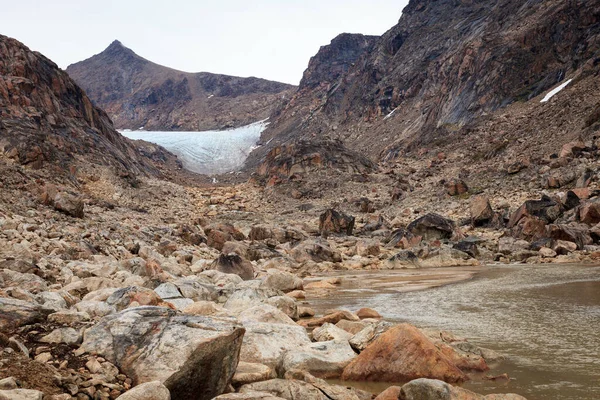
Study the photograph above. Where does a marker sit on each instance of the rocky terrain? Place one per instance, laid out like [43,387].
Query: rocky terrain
[443,65]
[137,93]
[122,276]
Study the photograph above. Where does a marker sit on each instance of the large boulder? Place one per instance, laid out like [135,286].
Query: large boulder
[545,209]
[68,204]
[332,221]
[281,280]
[315,250]
[17,313]
[244,298]
[400,354]
[481,211]
[426,389]
[321,359]
[194,357]
[266,343]
[287,389]
[432,227]
[147,391]
[234,264]
[589,212]
[576,233]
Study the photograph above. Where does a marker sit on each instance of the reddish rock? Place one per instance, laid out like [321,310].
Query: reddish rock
[456,187]
[576,233]
[589,213]
[546,209]
[432,227]
[481,211]
[332,318]
[391,393]
[402,353]
[367,313]
[332,221]
[571,149]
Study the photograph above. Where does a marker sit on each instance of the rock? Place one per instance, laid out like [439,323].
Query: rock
[62,335]
[95,308]
[284,281]
[321,359]
[154,390]
[403,239]
[403,259]
[481,211]
[391,393]
[243,299]
[571,149]
[68,204]
[123,298]
[400,354]
[21,394]
[203,308]
[589,213]
[305,312]
[30,282]
[573,232]
[432,227]
[571,200]
[265,313]
[352,327]
[8,383]
[315,250]
[332,221]
[17,313]
[367,313]
[194,357]
[546,209]
[327,332]
[251,372]
[564,247]
[547,253]
[467,247]
[234,264]
[168,291]
[456,187]
[420,389]
[285,304]
[368,247]
[248,395]
[332,318]
[508,245]
[287,389]
[364,337]
[266,343]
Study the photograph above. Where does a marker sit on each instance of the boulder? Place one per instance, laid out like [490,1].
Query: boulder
[124,297]
[572,149]
[367,313]
[391,393]
[589,212]
[281,280]
[321,359]
[248,395]
[327,332]
[194,357]
[154,390]
[421,389]
[30,282]
[432,227]
[21,394]
[367,247]
[266,343]
[352,327]
[545,209]
[315,250]
[576,233]
[17,313]
[234,264]
[332,318]
[265,313]
[287,389]
[332,221]
[364,337]
[481,211]
[251,372]
[69,204]
[245,298]
[400,354]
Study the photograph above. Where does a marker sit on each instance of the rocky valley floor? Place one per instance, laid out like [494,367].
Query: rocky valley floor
[192,289]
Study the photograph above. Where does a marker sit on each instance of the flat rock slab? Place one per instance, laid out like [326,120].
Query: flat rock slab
[195,357]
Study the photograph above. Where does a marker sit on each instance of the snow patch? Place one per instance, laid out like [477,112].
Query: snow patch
[390,114]
[555,91]
[212,95]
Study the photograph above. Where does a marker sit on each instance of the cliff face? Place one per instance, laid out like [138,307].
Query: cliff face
[446,63]
[138,93]
[46,119]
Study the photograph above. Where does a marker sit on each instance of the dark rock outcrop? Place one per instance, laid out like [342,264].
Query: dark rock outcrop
[432,227]
[138,93]
[332,221]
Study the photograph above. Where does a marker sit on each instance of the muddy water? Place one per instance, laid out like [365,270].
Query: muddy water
[545,319]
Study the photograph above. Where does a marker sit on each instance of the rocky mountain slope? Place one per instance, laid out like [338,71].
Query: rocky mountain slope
[443,65]
[138,93]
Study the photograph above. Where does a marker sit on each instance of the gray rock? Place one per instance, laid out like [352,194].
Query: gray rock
[194,357]
[321,359]
[154,390]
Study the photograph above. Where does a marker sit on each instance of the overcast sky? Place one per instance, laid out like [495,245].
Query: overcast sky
[271,39]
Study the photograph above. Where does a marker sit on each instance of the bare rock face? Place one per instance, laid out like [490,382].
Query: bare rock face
[402,353]
[431,227]
[443,65]
[48,119]
[139,93]
[194,357]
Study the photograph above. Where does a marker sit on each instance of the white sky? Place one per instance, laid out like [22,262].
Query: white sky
[272,39]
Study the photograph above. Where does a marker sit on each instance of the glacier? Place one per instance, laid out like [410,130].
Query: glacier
[207,152]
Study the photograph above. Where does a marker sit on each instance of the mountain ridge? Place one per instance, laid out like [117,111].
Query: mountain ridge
[137,92]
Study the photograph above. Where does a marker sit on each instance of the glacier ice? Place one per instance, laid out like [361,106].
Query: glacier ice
[207,152]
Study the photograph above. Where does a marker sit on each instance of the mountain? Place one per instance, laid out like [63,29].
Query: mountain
[46,120]
[138,93]
[446,64]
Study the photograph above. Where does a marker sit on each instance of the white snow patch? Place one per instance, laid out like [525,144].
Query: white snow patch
[555,91]
[390,114]
[212,95]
